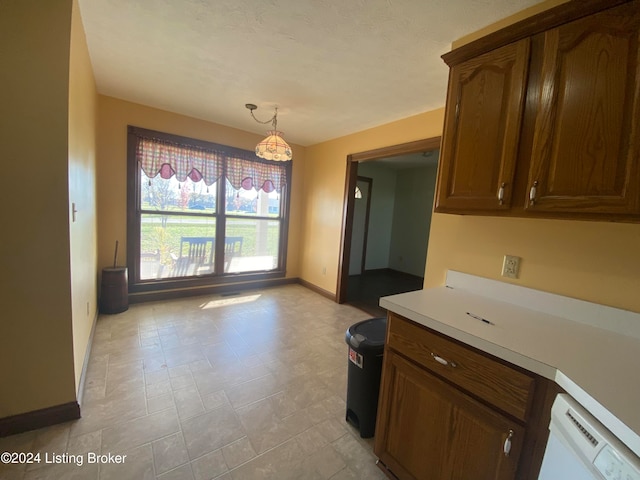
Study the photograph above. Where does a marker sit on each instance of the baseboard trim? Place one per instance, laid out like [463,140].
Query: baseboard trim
[318,290]
[140,297]
[378,270]
[391,271]
[39,418]
[85,363]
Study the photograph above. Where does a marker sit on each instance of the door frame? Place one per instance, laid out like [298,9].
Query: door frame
[368,181]
[416,146]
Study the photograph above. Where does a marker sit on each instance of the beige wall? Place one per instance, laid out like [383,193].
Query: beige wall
[36,351]
[113,117]
[594,261]
[82,191]
[324,184]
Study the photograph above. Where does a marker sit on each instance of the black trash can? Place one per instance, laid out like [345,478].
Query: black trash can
[114,295]
[366,344]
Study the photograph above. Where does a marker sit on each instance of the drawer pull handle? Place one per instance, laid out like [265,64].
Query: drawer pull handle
[533,192]
[441,360]
[507,444]
[501,193]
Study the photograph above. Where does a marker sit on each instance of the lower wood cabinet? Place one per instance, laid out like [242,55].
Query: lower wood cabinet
[434,431]
[431,427]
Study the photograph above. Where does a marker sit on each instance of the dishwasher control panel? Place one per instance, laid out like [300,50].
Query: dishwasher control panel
[613,465]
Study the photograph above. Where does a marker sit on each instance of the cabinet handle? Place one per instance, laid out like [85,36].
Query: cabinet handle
[441,360]
[501,193]
[533,192]
[507,444]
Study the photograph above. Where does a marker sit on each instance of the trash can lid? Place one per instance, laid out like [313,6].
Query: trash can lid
[368,334]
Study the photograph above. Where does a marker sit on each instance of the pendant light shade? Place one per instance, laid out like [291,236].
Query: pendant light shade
[274,147]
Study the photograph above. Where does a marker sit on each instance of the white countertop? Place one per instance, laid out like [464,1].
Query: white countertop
[591,351]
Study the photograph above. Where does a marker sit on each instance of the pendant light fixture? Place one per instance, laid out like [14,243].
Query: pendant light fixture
[273,147]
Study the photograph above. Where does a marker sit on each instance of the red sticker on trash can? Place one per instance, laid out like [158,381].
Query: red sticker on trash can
[355,357]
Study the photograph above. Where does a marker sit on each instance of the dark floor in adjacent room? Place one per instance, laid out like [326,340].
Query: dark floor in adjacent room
[364,291]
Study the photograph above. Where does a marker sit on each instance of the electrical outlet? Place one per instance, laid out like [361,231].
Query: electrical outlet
[324,270]
[511,266]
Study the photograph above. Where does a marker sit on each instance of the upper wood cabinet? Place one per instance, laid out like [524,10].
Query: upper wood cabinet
[562,135]
[482,126]
[585,148]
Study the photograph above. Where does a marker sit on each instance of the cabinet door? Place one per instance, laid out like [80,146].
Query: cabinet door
[482,127]
[429,430]
[585,148]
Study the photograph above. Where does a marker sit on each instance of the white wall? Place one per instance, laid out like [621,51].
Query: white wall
[415,188]
[381,213]
[400,217]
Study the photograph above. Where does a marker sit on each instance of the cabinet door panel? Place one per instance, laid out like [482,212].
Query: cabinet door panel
[479,447]
[482,127]
[412,432]
[585,152]
[428,429]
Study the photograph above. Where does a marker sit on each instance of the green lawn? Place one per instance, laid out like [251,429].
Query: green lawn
[166,239]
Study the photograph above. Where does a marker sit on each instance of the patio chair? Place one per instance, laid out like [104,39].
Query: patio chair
[232,248]
[196,256]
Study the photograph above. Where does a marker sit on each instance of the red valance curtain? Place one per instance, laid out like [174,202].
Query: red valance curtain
[251,173]
[243,170]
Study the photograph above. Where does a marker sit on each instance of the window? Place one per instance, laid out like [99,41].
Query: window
[202,213]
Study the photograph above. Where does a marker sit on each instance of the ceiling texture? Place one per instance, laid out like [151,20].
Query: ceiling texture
[332,67]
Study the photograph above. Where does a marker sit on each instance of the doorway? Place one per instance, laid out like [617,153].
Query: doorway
[382,271]
[361,210]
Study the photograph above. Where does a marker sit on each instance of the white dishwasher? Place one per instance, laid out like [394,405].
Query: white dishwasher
[581,448]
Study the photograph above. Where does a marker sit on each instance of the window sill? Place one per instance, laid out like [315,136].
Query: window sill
[232,284]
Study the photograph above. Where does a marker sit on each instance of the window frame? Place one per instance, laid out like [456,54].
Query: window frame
[134,214]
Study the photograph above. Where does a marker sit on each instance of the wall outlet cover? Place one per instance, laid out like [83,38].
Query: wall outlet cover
[511,266]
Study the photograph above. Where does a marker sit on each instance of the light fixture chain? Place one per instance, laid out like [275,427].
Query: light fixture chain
[265,122]
[273,120]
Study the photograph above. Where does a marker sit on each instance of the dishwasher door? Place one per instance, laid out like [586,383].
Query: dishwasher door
[581,448]
[561,462]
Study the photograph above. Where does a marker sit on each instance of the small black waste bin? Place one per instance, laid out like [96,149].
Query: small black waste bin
[366,344]
[114,296]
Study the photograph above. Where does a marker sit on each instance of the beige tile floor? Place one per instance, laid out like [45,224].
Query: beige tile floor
[249,386]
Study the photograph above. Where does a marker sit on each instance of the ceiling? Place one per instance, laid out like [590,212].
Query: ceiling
[332,67]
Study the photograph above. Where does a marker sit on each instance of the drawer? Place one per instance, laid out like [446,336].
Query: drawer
[485,377]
